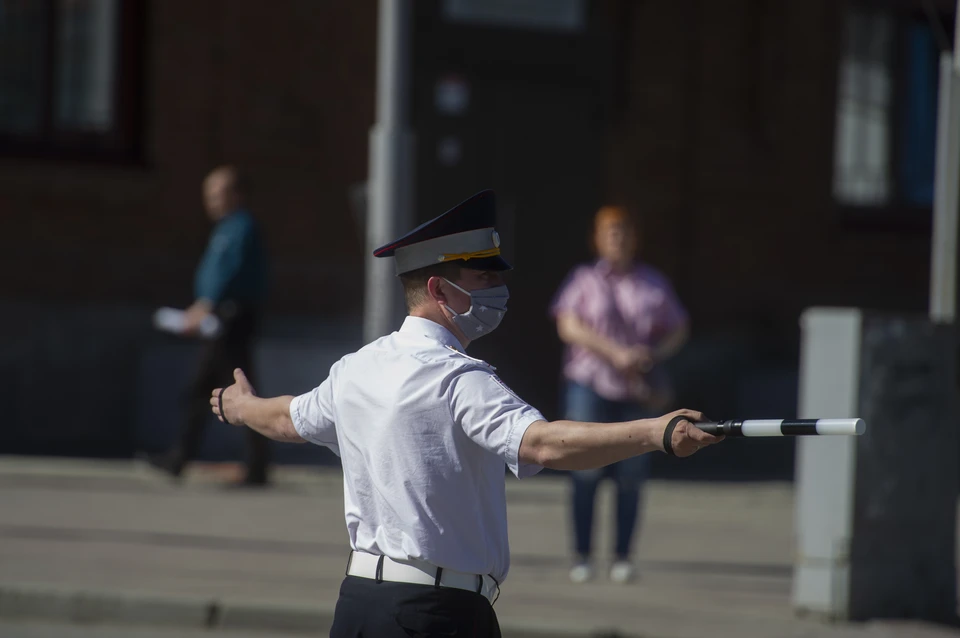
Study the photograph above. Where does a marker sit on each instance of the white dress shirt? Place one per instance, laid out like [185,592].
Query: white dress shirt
[423,432]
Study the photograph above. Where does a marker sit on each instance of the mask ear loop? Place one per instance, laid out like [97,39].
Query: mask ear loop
[453,312]
[466,292]
[448,311]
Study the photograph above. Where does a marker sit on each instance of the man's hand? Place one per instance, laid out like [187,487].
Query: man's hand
[228,406]
[195,315]
[687,438]
[633,359]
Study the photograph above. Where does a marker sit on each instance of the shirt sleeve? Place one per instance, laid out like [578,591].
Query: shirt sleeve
[494,417]
[313,415]
[570,295]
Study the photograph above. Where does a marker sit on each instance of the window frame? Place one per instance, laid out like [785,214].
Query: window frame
[896,214]
[123,142]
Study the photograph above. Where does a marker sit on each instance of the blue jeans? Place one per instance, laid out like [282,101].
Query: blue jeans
[583,404]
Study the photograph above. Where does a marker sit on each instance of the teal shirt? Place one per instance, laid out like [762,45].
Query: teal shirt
[234,265]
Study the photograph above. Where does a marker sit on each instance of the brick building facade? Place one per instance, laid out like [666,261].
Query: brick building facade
[718,122]
[283,90]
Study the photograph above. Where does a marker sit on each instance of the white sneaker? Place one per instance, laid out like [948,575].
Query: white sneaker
[581,573]
[622,572]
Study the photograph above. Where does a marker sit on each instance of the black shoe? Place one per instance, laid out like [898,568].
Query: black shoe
[255,479]
[166,463]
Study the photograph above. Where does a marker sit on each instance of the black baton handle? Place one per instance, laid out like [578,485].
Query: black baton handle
[721,428]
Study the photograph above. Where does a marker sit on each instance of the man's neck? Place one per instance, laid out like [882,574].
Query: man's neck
[438,316]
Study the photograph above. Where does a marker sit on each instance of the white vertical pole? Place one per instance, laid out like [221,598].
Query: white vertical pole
[390,201]
[943,263]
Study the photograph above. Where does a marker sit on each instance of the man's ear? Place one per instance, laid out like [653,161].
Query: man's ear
[434,291]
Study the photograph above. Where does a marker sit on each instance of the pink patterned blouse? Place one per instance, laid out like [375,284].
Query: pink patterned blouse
[638,307]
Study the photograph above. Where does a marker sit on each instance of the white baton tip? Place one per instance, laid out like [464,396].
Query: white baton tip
[841,426]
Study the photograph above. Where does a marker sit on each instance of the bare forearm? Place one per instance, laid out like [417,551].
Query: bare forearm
[269,417]
[574,445]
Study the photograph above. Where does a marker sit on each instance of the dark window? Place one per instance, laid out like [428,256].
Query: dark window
[70,78]
[886,114]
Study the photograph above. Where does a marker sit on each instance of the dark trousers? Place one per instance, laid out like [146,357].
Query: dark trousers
[233,348]
[583,404]
[384,610]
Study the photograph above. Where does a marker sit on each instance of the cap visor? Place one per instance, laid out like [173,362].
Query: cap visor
[487,263]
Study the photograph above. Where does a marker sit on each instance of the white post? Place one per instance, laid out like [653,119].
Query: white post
[943,263]
[390,199]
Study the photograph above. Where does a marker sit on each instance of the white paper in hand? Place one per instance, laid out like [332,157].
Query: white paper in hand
[173,320]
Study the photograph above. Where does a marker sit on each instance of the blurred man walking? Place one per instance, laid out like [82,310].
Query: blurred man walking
[231,285]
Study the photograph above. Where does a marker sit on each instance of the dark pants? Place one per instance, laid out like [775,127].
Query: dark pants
[233,348]
[384,610]
[583,404]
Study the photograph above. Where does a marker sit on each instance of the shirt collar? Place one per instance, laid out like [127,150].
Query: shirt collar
[431,330]
[605,268]
[234,214]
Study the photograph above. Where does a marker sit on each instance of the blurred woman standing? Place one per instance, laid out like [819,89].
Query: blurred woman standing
[619,319]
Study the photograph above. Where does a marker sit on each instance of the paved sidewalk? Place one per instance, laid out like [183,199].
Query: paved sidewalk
[85,540]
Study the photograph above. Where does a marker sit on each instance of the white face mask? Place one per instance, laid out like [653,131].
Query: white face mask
[487,307]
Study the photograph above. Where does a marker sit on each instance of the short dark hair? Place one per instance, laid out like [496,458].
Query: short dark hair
[415,281]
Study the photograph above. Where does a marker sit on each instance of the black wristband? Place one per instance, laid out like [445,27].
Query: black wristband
[668,434]
[220,401]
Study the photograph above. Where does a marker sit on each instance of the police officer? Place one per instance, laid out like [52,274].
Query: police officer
[230,284]
[423,432]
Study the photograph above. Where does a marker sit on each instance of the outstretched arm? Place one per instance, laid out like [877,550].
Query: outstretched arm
[239,405]
[575,445]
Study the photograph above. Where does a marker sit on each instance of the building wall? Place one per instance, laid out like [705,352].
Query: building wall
[287,95]
[724,143]
[721,137]
[719,131]
[718,121]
